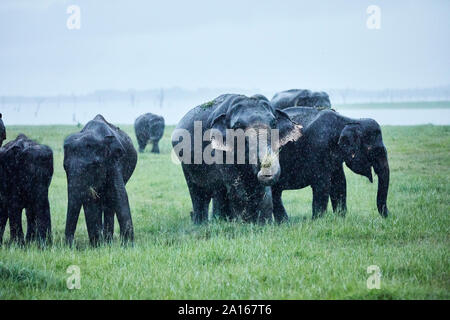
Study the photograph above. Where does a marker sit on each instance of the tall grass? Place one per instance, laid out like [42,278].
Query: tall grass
[301,259]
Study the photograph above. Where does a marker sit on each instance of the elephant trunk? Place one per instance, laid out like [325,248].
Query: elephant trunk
[73,211]
[269,172]
[381,168]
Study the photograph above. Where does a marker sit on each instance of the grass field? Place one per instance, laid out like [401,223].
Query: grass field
[302,259]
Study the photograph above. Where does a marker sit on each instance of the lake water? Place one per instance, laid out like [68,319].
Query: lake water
[120,114]
[402,117]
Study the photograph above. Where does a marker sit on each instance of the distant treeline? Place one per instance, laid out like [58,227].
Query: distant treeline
[345,96]
[159,96]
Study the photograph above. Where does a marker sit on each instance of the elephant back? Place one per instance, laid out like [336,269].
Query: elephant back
[27,160]
[207,111]
[100,129]
[150,125]
[301,98]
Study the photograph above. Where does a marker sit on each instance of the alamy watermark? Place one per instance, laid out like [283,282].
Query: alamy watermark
[74,280]
[251,145]
[74,20]
[256,145]
[374,19]
[374,280]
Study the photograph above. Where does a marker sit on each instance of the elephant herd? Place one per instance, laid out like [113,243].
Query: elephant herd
[293,141]
[99,160]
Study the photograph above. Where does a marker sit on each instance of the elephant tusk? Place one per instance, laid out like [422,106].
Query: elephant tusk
[94,193]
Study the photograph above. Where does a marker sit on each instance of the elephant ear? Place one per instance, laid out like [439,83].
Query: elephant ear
[114,148]
[218,132]
[350,141]
[289,130]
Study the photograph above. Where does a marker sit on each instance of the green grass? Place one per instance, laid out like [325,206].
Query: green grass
[302,259]
[395,105]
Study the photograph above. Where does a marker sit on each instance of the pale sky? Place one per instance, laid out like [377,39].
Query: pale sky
[270,45]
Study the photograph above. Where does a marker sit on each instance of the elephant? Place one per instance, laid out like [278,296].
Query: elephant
[260,97]
[241,189]
[316,159]
[99,160]
[301,98]
[149,127]
[26,170]
[2,131]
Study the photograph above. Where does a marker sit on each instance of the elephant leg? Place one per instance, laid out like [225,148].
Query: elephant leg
[338,191]
[43,219]
[3,220]
[31,224]
[108,222]
[155,146]
[93,215]
[121,206]
[321,193]
[73,212]
[200,202]
[15,223]
[221,207]
[142,142]
[279,212]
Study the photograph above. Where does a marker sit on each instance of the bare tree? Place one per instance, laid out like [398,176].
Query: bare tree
[132,97]
[39,101]
[161,98]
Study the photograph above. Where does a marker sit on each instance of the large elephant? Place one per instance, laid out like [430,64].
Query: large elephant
[240,188]
[26,170]
[2,131]
[99,161]
[301,98]
[260,97]
[149,127]
[316,159]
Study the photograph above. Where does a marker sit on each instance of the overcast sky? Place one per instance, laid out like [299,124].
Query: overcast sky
[268,45]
